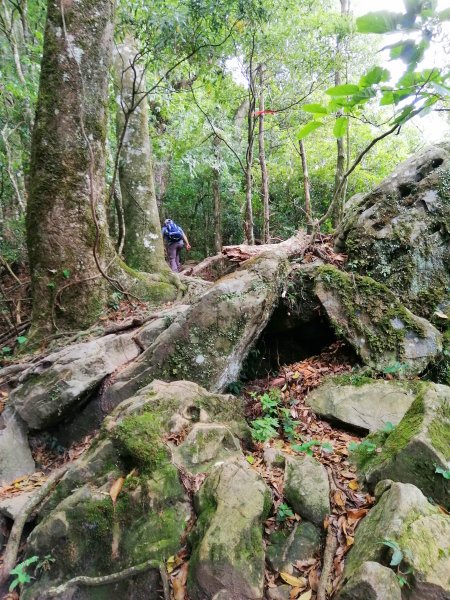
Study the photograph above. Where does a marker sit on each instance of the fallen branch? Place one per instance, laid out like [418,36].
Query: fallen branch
[83,580]
[12,548]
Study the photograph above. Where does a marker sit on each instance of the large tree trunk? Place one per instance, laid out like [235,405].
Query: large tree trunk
[262,161]
[143,245]
[71,255]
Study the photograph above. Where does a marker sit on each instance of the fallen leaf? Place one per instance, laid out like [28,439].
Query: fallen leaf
[353,485]
[179,583]
[116,488]
[170,564]
[306,596]
[293,581]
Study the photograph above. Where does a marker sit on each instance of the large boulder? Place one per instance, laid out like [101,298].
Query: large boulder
[418,450]
[57,385]
[413,527]
[89,529]
[368,316]
[288,546]
[368,404]
[399,233]
[15,454]
[227,543]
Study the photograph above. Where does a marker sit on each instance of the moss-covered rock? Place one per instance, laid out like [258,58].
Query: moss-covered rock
[288,546]
[419,530]
[306,488]
[368,406]
[371,581]
[227,543]
[370,317]
[418,450]
[399,233]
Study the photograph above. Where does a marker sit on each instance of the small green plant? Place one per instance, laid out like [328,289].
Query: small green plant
[395,369]
[275,416]
[388,427]
[114,300]
[20,572]
[66,273]
[444,472]
[21,340]
[284,512]
[265,428]
[308,447]
[6,350]
[398,555]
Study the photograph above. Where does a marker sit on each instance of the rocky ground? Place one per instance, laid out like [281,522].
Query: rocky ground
[282,432]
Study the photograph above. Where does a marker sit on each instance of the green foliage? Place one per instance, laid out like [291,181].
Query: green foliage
[284,512]
[444,472]
[275,417]
[20,572]
[398,555]
[308,447]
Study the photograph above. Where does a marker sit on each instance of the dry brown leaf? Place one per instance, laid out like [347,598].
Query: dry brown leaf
[339,498]
[306,596]
[353,485]
[293,581]
[116,488]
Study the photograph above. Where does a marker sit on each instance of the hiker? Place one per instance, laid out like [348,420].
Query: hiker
[174,239]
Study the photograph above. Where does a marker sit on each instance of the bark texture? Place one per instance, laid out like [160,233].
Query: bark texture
[67,182]
[306,187]
[143,245]
[216,198]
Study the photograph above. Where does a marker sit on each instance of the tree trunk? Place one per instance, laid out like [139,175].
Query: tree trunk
[306,187]
[216,198]
[248,220]
[143,245]
[340,145]
[262,161]
[71,255]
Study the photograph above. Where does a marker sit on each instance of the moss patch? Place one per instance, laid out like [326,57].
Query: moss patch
[138,439]
[370,311]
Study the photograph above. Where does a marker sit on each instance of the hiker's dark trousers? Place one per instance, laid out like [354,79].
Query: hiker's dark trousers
[173,251]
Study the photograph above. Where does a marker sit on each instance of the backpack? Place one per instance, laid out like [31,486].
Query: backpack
[174,232]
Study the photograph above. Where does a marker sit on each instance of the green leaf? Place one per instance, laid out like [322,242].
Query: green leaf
[315,109]
[6,350]
[250,459]
[346,89]
[340,127]
[374,76]
[381,21]
[309,128]
[397,558]
[388,427]
[22,339]
[444,472]
[66,273]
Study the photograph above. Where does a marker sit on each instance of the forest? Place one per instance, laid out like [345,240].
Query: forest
[224,300]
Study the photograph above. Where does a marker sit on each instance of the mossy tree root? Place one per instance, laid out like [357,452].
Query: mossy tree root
[83,580]
[12,548]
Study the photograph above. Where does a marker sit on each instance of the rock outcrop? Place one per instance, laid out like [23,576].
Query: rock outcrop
[399,233]
[91,530]
[418,530]
[417,451]
[15,454]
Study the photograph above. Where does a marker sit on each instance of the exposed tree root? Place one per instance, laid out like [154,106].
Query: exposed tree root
[12,548]
[331,545]
[83,580]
